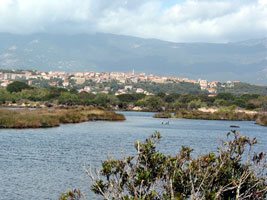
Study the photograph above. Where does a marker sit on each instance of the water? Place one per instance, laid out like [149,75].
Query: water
[43,163]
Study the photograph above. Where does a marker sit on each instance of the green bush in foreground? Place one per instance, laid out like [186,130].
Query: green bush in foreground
[153,175]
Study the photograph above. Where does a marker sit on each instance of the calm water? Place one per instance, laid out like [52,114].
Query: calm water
[43,163]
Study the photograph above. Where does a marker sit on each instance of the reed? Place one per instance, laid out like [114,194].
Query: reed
[44,118]
[262,119]
[232,116]
[162,115]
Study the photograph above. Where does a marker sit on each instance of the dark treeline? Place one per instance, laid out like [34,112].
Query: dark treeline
[22,93]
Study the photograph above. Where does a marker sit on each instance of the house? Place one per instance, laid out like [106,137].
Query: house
[53,84]
[203,84]
[65,83]
[128,87]
[80,81]
[29,82]
[5,84]
[139,90]
[122,91]
[104,92]
[212,90]
[87,88]
[107,88]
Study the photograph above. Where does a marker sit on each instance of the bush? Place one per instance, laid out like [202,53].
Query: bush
[17,86]
[153,175]
[162,115]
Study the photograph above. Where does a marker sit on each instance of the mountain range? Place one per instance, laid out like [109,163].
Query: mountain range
[244,61]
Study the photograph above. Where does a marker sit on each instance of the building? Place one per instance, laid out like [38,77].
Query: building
[87,88]
[139,90]
[203,84]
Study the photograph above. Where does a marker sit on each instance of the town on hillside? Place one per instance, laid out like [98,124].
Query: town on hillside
[89,81]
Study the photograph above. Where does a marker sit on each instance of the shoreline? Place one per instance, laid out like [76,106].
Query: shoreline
[48,118]
[199,114]
[257,117]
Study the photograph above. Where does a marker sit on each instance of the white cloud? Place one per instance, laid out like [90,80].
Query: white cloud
[187,21]
[13,48]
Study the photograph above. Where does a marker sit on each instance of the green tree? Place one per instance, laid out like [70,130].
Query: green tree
[68,99]
[17,86]
[161,94]
[154,103]
[225,96]
[73,91]
[171,97]
[130,97]
[7,96]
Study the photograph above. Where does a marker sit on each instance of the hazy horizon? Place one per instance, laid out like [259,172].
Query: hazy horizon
[125,35]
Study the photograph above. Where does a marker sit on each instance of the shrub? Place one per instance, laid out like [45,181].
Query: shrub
[162,115]
[153,175]
[262,119]
[17,86]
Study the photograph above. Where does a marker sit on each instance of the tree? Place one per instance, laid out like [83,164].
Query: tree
[7,96]
[68,98]
[225,96]
[130,97]
[151,175]
[73,91]
[161,94]
[17,86]
[154,103]
[171,97]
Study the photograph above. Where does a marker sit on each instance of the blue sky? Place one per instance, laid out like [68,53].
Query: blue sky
[172,20]
[170,3]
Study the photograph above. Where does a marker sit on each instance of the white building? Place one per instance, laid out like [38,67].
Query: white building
[139,90]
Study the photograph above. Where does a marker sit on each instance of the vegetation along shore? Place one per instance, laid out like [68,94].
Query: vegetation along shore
[223,106]
[45,118]
[259,117]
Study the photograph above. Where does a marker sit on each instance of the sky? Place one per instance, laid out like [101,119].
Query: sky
[214,21]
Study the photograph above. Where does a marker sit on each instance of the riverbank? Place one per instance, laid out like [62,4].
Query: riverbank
[262,120]
[46,118]
[259,118]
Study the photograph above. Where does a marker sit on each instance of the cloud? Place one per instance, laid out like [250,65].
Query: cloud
[172,20]
[13,48]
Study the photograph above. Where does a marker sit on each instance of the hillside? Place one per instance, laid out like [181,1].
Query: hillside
[244,61]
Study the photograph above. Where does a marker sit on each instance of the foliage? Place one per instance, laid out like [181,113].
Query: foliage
[71,195]
[152,103]
[162,115]
[17,86]
[152,175]
[243,88]
[6,96]
[221,114]
[182,88]
[45,118]
[225,96]
[130,97]
[262,119]
[158,103]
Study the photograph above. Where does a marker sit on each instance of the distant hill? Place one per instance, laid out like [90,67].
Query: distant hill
[244,61]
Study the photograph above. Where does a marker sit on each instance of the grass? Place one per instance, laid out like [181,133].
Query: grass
[233,116]
[259,118]
[44,118]
[162,115]
[262,119]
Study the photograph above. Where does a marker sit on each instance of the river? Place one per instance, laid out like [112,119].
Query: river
[43,163]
